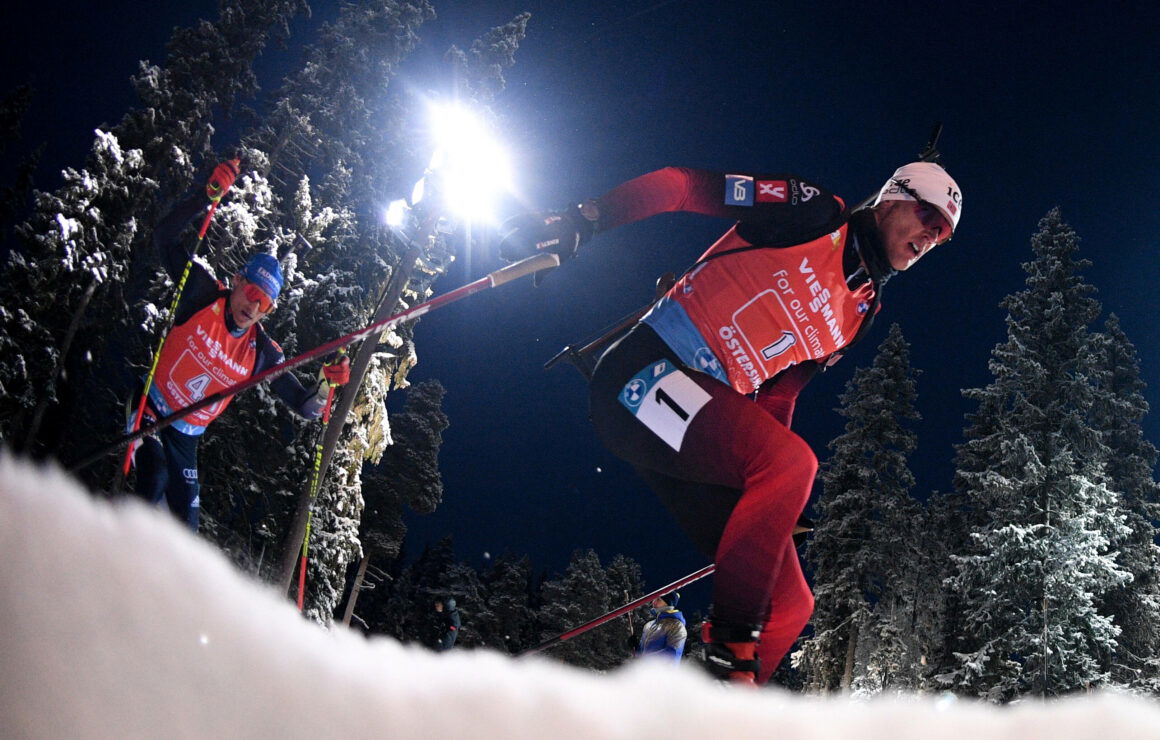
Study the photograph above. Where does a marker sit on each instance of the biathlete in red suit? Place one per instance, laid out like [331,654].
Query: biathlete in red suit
[216,341]
[699,395]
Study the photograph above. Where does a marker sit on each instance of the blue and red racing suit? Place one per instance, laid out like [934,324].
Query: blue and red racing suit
[204,352]
[786,287]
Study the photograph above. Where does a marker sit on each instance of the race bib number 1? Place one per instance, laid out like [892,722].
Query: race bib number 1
[665,400]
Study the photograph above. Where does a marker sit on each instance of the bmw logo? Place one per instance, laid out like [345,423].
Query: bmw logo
[706,362]
[634,392]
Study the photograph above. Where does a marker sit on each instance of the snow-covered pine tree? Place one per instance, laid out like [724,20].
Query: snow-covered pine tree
[505,623]
[338,110]
[83,257]
[943,532]
[863,546]
[625,584]
[319,130]
[585,591]
[1032,473]
[1135,607]
[407,477]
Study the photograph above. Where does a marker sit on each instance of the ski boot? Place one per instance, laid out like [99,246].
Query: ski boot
[729,651]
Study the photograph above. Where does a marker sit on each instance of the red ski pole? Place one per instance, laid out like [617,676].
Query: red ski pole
[621,611]
[491,280]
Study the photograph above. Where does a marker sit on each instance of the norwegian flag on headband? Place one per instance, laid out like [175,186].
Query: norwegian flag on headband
[952,208]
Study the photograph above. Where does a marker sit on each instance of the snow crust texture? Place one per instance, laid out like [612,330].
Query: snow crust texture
[116,622]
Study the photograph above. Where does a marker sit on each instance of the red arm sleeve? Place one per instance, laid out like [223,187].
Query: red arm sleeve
[792,209]
[662,191]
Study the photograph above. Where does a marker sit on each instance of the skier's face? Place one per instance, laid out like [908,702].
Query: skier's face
[248,303]
[909,230]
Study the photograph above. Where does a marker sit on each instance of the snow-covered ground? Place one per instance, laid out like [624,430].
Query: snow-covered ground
[115,622]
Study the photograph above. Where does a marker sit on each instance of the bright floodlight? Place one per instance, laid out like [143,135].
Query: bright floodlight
[396,213]
[472,167]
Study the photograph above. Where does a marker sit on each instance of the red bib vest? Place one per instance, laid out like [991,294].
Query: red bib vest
[762,310]
[200,358]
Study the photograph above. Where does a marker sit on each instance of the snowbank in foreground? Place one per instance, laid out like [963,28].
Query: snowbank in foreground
[115,622]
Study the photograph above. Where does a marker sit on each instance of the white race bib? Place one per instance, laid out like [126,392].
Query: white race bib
[665,400]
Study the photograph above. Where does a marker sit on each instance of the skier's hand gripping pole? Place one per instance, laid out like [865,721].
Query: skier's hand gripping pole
[494,279]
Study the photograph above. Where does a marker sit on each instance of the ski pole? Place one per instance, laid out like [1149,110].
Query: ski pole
[494,279]
[127,463]
[698,575]
[314,484]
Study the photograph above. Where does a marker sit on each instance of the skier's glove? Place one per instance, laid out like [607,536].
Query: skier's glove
[222,178]
[559,232]
[335,370]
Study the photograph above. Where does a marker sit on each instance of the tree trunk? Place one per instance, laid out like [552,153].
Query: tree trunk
[358,580]
[65,346]
[851,649]
[292,545]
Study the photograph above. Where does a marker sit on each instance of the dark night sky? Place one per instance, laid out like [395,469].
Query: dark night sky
[1044,105]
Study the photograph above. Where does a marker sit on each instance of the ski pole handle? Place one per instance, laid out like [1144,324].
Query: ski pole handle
[517,270]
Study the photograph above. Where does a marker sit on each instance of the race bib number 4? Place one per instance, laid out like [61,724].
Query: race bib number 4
[665,400]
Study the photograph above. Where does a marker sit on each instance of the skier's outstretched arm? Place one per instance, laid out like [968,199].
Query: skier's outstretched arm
[770,209]
[306,401]
[782,199]
[172,248]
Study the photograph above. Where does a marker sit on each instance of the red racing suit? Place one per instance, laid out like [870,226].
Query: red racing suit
[787,286]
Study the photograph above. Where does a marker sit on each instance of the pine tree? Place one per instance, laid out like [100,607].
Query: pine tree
[862,546]
[431,580]
[943,532]
[585,591]
[338,103]
[1135,606]
[407,477]
[84,260]
[505,621]
[1043,516]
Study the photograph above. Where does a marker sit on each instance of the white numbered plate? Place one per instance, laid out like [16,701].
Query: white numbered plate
[665,400]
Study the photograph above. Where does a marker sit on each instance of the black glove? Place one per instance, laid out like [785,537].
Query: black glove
[559,232]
